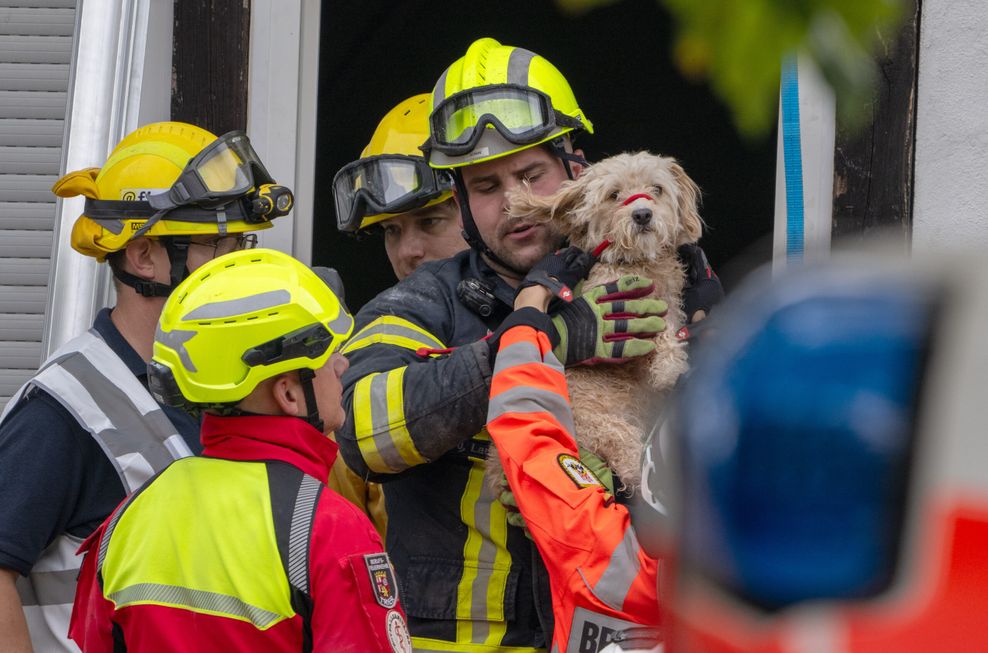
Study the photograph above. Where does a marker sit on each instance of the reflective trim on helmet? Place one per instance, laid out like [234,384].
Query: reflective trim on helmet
[386,183]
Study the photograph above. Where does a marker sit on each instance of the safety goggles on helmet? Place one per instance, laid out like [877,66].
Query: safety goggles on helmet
[387,183]
[226,168]
[520,114]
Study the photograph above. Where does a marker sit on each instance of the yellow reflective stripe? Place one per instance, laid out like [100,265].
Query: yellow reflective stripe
[426,645]
[379,422]
[392,330]
[480,594]
[502,559]
[400,436]
[212,603]
[464,592]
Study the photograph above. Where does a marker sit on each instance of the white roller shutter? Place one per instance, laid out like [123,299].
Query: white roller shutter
[35,52]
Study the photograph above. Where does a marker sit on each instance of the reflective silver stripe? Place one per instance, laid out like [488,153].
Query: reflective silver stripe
[196,600]
[341,325]
[98,389]
[232,307]
[439,90]
[298,537]
[615,582]
[553,362]
[519,62]
[47,587]
[176,339]
[383,441]
[519,353]
[532,400]
[396,330]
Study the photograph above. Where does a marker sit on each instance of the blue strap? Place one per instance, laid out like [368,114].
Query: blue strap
[793,159]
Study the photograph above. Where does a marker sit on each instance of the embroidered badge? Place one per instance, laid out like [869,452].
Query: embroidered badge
[382,579]
[578,472]
[398,637]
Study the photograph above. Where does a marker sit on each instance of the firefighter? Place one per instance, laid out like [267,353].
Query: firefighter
[84,431]
[419,378]
[603,584]
[244,547]
[391,189]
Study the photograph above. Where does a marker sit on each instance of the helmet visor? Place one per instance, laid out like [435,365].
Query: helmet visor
[389,183]
[520,114]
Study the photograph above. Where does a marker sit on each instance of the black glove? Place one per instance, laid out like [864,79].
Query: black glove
[560,272]
[703,289]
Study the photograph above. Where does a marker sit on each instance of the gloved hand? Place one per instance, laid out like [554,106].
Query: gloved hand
[703,288]
[609,323]
[560,272]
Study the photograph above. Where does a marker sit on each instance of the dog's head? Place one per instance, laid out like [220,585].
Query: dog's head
[645,204]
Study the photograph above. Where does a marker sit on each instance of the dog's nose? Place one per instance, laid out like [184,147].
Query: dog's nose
[642,216]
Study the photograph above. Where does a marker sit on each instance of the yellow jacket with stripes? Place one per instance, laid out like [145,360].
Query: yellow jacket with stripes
[415,423]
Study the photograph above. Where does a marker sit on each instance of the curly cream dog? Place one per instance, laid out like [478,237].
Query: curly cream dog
[646,206]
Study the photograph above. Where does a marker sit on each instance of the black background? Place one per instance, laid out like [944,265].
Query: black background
[375,53]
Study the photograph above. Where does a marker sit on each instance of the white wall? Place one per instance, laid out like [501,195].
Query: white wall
[951,191]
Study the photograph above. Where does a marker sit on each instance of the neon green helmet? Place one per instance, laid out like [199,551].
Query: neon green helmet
[238,320]
[497,100]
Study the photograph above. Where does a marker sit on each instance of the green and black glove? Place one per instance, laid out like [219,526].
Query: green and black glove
[609,323]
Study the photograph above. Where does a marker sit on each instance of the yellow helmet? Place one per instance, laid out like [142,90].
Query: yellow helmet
[497,100]
[145,163]
[238,320]
[391,177]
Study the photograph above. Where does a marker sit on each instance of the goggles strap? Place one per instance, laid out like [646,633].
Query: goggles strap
[557,146]
[471,233]
[305,376]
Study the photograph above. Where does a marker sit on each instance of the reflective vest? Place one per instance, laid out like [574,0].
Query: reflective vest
[91,382]
[603,584]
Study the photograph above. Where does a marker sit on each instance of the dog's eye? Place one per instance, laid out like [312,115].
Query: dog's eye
[658,190]
[614,195]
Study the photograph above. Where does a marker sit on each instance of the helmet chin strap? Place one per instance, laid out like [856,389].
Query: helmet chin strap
[470,232]
[306,376]
[177,248]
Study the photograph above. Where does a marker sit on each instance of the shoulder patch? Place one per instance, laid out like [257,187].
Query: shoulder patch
[382,579]
[398,637]
[579,473]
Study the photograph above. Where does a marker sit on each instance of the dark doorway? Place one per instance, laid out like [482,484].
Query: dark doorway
[375,53]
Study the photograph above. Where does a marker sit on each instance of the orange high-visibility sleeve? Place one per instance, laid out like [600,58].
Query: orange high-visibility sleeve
[600,577]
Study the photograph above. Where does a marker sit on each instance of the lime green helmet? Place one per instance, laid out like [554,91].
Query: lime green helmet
[391,176]
[497,100]
[240,319]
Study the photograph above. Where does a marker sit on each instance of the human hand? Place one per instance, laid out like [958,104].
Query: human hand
[611,323]
[560,272]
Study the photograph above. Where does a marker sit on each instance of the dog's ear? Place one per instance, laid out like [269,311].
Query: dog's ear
[522,203]
[690,222]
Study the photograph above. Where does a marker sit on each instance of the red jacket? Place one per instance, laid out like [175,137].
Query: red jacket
[602,583]
[230,593]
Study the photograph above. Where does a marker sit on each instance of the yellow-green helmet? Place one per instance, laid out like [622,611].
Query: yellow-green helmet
[391,177]
[497,100]
[238,320]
